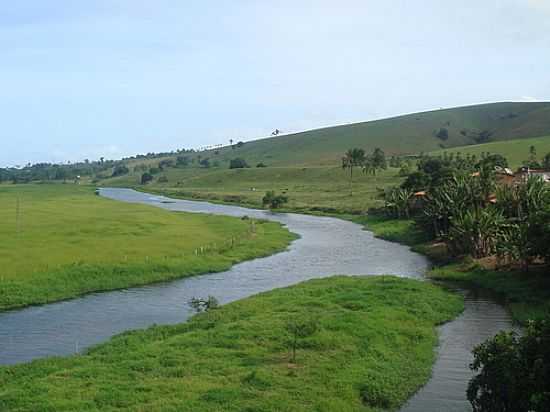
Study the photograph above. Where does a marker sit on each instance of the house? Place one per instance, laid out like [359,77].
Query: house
[525,172]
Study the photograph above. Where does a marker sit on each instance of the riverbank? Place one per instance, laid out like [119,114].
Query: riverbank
[372,349]
[526,295]
[61,241]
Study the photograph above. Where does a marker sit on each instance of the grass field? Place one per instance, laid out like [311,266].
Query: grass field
[308,188]
[516,151]
[408,134]
[65,241]
[373,348]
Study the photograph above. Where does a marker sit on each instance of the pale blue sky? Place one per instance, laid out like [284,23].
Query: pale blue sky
[84,79]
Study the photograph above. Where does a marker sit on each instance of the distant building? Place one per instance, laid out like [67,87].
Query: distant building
[525,172]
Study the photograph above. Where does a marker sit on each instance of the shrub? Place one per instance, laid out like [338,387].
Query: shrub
[238,163]
[261,165]
[514,371]
[163,179]
[120,170]
[146,178]
[273,200]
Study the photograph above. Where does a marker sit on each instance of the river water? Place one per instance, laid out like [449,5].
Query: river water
[326,246]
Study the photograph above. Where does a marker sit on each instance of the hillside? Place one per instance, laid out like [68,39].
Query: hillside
[399,135]
[515,151]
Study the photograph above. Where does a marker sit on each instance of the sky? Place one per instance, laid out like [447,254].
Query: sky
[112,78]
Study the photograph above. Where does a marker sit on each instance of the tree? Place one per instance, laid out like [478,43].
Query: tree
[238,163]
[182,161]
[514,371]
[353,158]
[120,170]
[397,202]
[299,329]
[205,163]
[146,178]
[546,161]
[442,134]
[273,200]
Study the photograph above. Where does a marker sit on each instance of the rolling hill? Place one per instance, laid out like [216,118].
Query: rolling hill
[413,133]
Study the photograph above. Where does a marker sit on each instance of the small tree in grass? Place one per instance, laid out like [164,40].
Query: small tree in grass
[204,305]
[298,329]
[273,200]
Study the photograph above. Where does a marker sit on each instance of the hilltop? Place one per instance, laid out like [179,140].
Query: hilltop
[408,134]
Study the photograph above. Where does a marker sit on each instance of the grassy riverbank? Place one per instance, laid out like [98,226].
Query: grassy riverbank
[373,348]
[308,188]
[59,241]
[527,295]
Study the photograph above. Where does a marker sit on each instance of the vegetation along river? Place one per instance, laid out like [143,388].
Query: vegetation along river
[326,246]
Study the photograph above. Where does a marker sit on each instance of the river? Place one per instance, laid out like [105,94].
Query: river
[327,246]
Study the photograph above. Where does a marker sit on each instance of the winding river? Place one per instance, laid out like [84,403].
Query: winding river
[326,246]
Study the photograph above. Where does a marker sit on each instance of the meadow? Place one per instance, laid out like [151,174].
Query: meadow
[309,189]
[372,349]
[515,151]
[60,240]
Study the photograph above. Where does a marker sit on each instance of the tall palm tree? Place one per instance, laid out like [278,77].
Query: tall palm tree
[353,158]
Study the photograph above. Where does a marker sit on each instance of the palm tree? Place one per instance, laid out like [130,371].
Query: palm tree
[353,158]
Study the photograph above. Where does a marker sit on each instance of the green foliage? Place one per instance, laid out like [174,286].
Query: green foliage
[353,158]
[120,170]
[373,349]
[442,134]
[67,242]
[273,200]
[146,178]
[299,329]
[514,371]
[238,163]
[397,202]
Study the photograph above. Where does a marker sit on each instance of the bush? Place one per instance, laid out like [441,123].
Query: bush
[238,163]
[274,201]
[146,178]
[514,371]
[442,134]
[261,165]
[163,179]
[120,170]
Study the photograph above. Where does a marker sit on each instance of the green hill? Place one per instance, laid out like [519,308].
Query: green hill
[420,132]
[515,151]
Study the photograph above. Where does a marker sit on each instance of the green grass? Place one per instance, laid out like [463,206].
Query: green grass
[69,242]
[409,134]
[516,151]
[308,188]
[526,295]
[373,350]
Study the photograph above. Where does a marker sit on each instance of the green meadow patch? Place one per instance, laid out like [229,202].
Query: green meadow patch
[372,349]
[59,241]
